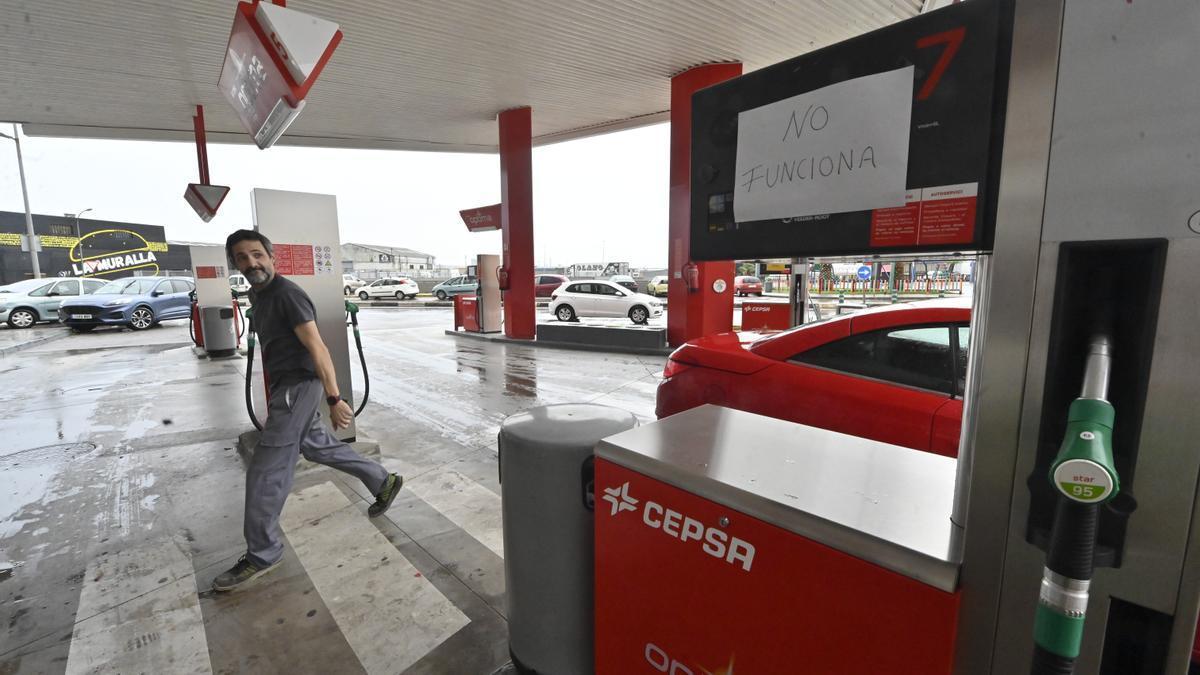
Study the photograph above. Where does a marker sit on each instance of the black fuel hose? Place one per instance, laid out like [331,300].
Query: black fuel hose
[240,320]
[250,369]
[192,319]
[352,312]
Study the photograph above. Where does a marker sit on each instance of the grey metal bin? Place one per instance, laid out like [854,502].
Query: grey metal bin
[216,323]
[546,468]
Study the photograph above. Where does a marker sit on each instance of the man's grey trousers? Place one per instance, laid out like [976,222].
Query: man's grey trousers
[293,428]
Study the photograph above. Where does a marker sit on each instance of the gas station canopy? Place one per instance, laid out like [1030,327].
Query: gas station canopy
[408,76]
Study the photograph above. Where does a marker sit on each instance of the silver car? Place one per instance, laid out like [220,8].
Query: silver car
[39,302]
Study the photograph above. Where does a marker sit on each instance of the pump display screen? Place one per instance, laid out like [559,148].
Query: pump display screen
[885,143]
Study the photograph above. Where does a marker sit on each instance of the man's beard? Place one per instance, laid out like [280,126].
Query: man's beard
[257,276]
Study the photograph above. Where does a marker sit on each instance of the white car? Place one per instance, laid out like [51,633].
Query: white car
[398,288]
[351,283]
[602,299]
[239,285]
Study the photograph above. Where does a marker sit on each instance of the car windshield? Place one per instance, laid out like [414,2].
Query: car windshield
[128,287]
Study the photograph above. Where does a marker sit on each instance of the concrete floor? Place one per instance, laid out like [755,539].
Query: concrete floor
[122,499]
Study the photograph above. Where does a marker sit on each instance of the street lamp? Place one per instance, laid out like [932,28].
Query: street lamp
[78,234]
[16,138]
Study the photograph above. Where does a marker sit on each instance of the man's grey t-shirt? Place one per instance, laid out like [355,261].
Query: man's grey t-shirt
[278,309]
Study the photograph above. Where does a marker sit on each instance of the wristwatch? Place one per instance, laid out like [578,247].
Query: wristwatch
[333,400]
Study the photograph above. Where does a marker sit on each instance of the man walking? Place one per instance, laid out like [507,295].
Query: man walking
[300,373]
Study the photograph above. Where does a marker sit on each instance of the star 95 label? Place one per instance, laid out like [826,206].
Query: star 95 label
[1083,481]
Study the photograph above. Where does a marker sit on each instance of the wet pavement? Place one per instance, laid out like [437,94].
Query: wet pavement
[122,499]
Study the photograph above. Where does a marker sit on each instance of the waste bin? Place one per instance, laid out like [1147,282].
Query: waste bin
[546,469]
[216,325]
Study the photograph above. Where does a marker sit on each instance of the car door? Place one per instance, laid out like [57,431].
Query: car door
[47,306]
[885,384]
[161,301]
[181,298]
[609,301]
[579,297]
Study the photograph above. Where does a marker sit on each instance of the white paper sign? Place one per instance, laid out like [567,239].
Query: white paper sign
[840,148]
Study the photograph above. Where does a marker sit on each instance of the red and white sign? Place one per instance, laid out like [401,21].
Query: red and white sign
[294,260]
[482,219]
[205,199]
[686,585]
[930,216]
[209,272]
[273,57]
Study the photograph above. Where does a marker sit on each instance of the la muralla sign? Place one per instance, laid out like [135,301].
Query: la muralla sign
[112,251]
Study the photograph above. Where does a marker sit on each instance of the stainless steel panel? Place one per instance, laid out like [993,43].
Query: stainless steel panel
[1005,343]
[882,503]
[980,300]
[488,292]
[311,220]
[1126,158]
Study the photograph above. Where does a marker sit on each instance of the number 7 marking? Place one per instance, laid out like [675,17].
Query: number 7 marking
[953,39]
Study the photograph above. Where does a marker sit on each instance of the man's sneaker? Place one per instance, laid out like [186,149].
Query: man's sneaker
[240,574]
[383,500]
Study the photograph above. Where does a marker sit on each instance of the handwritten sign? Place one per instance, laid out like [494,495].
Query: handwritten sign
[840,148]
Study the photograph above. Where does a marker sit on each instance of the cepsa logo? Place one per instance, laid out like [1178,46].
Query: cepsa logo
[662,662]
[714,542]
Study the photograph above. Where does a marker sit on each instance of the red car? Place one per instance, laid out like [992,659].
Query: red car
[545,284]
[893,374]
[747,286]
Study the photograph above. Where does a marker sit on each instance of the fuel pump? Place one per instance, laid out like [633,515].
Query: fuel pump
[1085,477]
[352,320]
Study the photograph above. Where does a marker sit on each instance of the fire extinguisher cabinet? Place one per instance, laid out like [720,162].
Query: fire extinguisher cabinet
[546,468]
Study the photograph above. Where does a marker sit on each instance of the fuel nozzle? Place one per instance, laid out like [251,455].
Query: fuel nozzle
[1084,474]
[1083,470]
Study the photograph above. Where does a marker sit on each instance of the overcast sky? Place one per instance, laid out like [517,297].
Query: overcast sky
[599,199]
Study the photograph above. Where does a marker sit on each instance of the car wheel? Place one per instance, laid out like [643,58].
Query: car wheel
[141,318]
[82,329]
[441,295]
[347,291]
[399,295]
[22,318]
[363,295]
[565,313]
[639,314]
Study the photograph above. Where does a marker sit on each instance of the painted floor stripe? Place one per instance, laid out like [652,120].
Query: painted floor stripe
[139,613]
[389,613]
[464,502]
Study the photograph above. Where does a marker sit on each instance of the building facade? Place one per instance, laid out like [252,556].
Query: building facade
[103,249]
[369,262]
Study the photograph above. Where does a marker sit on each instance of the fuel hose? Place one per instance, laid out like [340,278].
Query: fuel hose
[250,367]
[352,313]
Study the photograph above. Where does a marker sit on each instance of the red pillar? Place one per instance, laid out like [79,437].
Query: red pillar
[691,314]
[516,221]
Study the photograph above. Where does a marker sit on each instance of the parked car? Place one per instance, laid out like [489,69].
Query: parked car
[136,302]
[602,299]
[747,286]
[893,374]
[624,280]
[239,285]
[351,283]
[399,288]
[657,286]
[39,301]
[456,286]
[546,284]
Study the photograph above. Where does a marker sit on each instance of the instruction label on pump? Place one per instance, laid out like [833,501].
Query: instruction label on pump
[1083,481]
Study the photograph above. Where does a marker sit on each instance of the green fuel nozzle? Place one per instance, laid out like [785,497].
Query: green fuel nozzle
[1084,474]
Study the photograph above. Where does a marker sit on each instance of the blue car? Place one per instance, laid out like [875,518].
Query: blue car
[136,302]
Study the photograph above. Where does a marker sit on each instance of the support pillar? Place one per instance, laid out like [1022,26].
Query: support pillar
[516,221]
[692,313]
